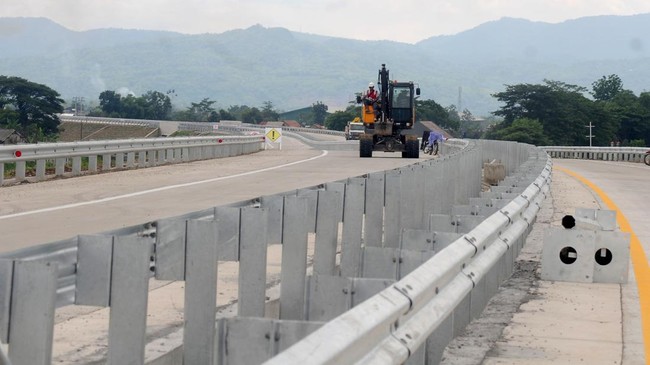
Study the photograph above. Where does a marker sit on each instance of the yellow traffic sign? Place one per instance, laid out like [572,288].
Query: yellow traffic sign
[273,134]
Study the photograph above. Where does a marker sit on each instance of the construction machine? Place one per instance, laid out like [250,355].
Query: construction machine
[388,117]
[354,129]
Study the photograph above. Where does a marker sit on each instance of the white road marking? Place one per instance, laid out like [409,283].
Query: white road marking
[169,187]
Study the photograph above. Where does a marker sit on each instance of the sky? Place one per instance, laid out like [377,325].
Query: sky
[406,21]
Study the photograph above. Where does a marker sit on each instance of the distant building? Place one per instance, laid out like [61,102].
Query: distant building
[10,136]
[292,123]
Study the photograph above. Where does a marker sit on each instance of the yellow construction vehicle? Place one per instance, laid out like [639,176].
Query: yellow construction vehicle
[386,119]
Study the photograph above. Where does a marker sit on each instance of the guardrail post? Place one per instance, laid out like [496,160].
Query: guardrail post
[33,301]
[411,190]
[6,279]
[130,159]
[374,210]
[20,170]
[252,262]
[129,294]
[94,262]
[355,191]
[229,227]
[327,220]
[200,292]
[392,208]
[274,205]
[294,258]
[312,203]
[106,162]
[92,163]
[76,166]
[40,170]
[142,159]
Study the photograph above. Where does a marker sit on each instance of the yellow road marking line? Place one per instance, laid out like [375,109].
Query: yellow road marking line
[639,260]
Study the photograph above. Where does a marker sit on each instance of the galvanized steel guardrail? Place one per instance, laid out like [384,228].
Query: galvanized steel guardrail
[75,158]
[412,320]
[409,321]
[629,154]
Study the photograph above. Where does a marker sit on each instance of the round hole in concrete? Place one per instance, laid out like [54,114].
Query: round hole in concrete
[568,221]
[603,256]
[568,255]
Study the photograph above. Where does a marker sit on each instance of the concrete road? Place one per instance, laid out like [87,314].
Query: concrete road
[533,321]
[37,213]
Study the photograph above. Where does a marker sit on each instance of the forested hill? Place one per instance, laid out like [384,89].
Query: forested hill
[294,70]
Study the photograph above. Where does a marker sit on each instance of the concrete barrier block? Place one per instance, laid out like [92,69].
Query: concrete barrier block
[612,257]
[605,218]
[567,255]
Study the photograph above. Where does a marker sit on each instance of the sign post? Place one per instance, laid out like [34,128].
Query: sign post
[273,136]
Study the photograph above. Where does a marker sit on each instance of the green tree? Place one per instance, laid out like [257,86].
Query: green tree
[236,111]
[453,118]
[522,130]
[339,119]
[225,115]
[469,128]
[33,108]
[631,117]
[158,106]
[200,112]
[607,87]
[319,112]
[252,115]
[562,109]
[111,103]
[133,107]
[429,110]
[268,112]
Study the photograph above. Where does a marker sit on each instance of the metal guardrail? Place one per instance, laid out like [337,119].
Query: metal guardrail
[630,154]
[390,327]
[399,323]
[75,158]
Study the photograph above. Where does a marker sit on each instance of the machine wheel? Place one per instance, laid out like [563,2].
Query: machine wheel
[365,145]
[412,148]
[646,159]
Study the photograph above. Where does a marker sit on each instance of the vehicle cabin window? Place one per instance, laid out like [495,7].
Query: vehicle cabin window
[401,98]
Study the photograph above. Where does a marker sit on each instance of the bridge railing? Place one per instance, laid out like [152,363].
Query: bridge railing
[48,160]
[421,251]
[629,154]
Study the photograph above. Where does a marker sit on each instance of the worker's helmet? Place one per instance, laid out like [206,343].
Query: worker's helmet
[371,84]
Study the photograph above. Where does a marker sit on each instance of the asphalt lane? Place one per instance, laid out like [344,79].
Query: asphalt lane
[37,213]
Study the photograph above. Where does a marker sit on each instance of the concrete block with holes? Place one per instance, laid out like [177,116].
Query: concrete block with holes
[585,256]
[567,255]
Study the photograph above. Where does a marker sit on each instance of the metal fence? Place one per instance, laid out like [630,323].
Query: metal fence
[630,154]
[47,160]
[420,252]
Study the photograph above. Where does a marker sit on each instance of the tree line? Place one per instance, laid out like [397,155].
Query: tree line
[550,113]
[556,113]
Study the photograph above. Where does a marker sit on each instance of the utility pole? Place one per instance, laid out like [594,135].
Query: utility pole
[78,103]
[591,135]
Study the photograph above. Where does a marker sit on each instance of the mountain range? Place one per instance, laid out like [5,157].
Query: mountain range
[294,70]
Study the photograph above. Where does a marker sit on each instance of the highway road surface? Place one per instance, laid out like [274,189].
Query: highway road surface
[32,214]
